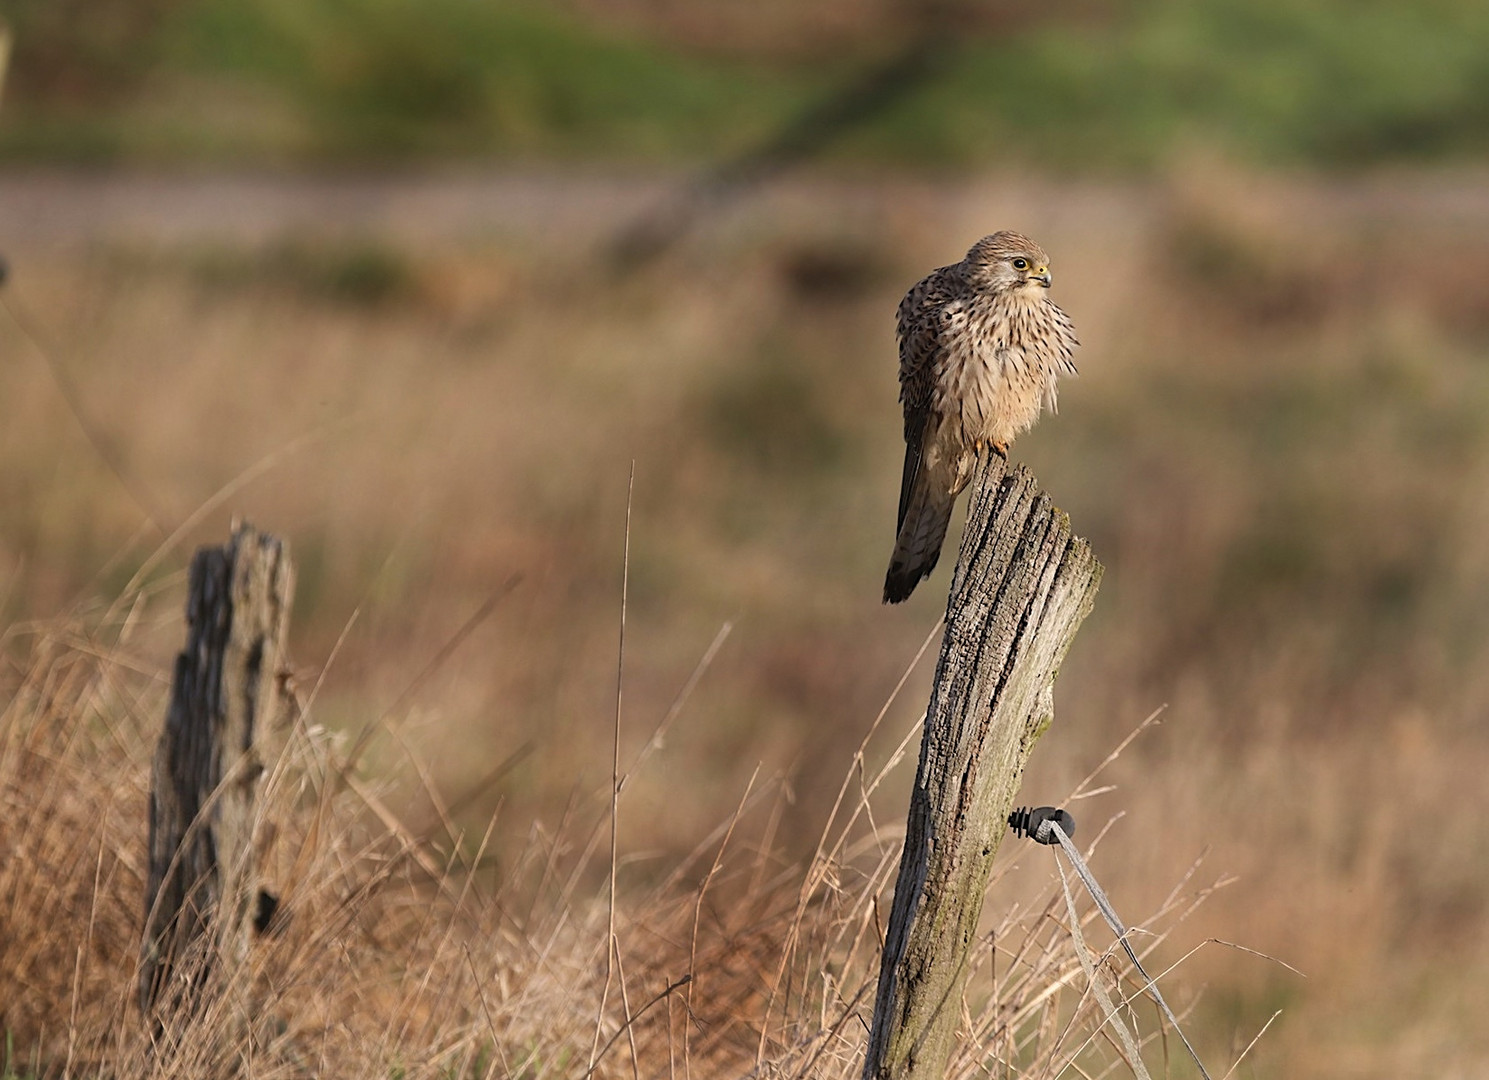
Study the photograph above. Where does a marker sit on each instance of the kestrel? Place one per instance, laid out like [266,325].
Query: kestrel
[981,348]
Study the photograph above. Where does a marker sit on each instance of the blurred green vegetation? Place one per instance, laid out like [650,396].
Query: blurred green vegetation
[1322,81]
[350,79]
[1330,82]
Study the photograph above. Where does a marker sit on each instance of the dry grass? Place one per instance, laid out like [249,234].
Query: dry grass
[1279,447]
[405,955]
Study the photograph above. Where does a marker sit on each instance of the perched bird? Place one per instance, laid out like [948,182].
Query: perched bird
[981,347]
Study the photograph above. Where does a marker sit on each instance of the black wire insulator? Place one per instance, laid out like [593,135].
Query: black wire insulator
[1028,821]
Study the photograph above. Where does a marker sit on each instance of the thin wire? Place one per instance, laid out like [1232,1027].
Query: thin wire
[1130,1044]
[143,499]
[1115,922]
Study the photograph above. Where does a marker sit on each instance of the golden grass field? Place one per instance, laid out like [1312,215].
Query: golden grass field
[435,389]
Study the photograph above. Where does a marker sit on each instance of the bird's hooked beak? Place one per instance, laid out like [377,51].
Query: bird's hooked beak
[1042,275]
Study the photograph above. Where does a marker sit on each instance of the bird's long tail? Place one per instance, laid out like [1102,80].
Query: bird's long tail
[925,514]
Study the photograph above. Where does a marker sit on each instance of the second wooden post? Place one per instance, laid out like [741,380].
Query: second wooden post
[226,703]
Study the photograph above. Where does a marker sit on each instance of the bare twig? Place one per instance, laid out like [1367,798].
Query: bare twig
[612,947]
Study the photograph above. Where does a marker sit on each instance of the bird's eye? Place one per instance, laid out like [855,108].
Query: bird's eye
[1021,264]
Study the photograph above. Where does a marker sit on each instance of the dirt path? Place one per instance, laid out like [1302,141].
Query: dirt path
[49,208]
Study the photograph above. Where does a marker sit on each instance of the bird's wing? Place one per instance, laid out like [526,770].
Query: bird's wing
[1065,342]
[924,318]
[1060,360]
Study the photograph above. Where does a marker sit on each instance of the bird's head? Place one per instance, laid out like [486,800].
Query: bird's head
[1008,260]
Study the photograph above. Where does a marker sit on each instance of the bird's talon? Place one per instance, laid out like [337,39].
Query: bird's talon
[1001,449]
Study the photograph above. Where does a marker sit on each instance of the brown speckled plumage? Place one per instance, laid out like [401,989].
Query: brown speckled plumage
[981,348]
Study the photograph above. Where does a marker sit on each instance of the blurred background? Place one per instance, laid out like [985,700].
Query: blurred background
[414,285]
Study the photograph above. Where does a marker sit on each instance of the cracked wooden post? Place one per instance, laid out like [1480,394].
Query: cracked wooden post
[226,711]
[1021,588]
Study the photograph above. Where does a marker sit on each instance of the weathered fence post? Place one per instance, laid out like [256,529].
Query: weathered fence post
[227,700]
[1021,588]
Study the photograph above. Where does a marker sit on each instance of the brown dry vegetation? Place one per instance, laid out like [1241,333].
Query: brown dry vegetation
[1279,447]
[403,955]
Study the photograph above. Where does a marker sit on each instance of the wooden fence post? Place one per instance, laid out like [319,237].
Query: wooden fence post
[1021,588]
[227,705]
